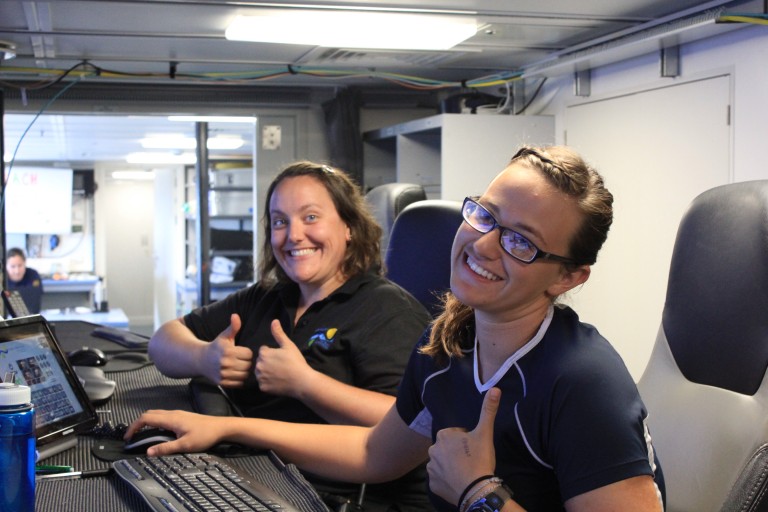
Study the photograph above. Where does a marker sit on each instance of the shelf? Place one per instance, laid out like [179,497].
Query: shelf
[450,155]
[232,284]
[415,126]
[231,252]
[231,217]
[227,230]
[223,188]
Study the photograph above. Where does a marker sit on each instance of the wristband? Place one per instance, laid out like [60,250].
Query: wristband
[469,488]
[493,501]
[479,491]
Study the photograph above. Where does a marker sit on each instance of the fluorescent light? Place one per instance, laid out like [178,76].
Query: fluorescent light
[133,175]
[160,158]
[214,119]
[168,142]
[344,29]
[225,142]
[182,142]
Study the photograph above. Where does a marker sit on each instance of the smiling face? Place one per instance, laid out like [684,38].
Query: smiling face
[15,266]
[309,239]
[486,278]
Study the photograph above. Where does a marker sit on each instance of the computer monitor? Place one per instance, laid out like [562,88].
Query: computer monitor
[29,349]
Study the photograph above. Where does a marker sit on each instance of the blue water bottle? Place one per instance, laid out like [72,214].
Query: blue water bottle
[17,448]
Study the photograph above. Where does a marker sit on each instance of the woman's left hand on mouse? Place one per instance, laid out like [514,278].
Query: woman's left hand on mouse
[194,432]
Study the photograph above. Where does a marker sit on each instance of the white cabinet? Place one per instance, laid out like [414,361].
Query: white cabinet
[451,155]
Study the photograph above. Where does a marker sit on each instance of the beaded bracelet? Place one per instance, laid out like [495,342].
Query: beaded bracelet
[493,499]
[468,498]
[469,488]
[487,488]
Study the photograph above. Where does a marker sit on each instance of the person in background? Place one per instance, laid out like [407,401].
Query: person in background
[24,279]
[517,404]
[322,336]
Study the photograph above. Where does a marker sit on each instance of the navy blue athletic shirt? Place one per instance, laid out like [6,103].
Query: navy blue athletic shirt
[570,418]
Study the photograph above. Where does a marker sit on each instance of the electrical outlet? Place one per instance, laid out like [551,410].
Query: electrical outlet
[271,137]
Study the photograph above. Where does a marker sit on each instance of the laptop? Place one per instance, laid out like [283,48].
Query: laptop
[29,348]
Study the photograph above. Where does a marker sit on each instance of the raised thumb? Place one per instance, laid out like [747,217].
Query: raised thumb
[488,413]
[281,338]
[234,327]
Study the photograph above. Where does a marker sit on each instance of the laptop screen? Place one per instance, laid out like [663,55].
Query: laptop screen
[62,409]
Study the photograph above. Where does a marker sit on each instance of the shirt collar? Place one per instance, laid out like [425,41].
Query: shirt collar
[289,292]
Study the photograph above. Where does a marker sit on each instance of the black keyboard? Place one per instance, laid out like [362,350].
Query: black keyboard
[122,337]
[197,482]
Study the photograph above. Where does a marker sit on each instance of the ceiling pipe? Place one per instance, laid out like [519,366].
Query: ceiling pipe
[679,28]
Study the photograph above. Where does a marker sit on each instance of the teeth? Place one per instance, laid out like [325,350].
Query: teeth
[477,269]
[302,252]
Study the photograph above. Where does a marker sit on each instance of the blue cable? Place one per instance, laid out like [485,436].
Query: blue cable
[16,150]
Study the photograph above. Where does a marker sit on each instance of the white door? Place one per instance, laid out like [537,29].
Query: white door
[127,210]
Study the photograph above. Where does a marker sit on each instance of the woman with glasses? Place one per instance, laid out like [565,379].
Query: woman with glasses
[516,404]
[323,336]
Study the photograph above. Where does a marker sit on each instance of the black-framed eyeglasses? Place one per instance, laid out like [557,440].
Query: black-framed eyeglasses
[513,243]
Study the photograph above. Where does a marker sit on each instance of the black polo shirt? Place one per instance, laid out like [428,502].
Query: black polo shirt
[362,335]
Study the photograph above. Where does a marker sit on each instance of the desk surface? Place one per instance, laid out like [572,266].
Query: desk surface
[137,391]
[115,317]
[70,285]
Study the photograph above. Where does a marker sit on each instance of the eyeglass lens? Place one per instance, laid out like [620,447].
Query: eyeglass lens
[515,244]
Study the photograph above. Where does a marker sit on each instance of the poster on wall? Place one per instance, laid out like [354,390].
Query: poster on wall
[38,201]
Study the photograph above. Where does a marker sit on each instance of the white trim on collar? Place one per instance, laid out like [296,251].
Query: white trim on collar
[514,357]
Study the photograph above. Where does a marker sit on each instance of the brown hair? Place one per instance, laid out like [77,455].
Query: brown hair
[363,251]
[15,251]
[570,174]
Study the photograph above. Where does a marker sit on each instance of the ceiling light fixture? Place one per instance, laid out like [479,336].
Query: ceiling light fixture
[182,142]
[133,175]
[214,119]
[160,158]
[345,29]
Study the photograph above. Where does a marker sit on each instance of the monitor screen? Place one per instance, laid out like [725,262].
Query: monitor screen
[62,409]
[38,201]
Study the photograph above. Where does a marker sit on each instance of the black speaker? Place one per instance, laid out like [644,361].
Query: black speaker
[82,181]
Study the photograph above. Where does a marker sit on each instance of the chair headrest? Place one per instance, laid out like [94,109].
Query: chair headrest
[418,257]
[388,200]
[716,312]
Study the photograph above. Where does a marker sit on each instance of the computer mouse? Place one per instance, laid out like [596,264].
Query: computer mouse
[143,439]
[87,356]
[95,383]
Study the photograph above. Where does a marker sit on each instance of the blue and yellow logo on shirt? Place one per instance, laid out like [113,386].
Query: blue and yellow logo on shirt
[323,337]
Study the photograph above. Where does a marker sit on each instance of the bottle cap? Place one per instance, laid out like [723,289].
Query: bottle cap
[13,394]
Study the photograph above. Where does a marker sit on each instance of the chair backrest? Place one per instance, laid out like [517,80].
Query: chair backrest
[419,253]
[705,385]
[387,201]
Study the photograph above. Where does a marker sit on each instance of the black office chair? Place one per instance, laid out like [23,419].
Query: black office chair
[419,252]
[387,201]
[705,385]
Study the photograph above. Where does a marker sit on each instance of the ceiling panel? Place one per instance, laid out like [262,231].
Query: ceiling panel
[169,42]
[80,140]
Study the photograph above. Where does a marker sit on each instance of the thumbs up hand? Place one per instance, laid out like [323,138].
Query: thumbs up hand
[458,457]
[282,370]
[224,362]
